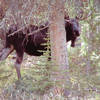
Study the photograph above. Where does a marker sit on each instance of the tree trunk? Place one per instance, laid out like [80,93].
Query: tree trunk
[58,42]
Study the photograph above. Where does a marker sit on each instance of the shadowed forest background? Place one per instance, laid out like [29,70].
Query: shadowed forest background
[38,74]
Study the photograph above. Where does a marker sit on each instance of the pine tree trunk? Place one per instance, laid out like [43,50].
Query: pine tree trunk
[58,42]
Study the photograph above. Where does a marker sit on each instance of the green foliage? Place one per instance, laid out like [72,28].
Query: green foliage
[35,80]
[6,74]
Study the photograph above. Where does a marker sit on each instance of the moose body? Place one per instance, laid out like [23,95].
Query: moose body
[22,41]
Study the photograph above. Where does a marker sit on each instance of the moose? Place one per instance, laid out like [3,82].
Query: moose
[22,41]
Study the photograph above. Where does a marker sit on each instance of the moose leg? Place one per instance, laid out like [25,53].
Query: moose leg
[18,64]
[5,52]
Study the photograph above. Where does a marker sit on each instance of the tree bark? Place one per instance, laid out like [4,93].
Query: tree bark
[58,42]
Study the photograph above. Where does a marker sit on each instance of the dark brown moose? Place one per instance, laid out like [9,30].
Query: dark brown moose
[25,41]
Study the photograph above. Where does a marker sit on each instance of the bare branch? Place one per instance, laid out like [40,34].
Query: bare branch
[31,33]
